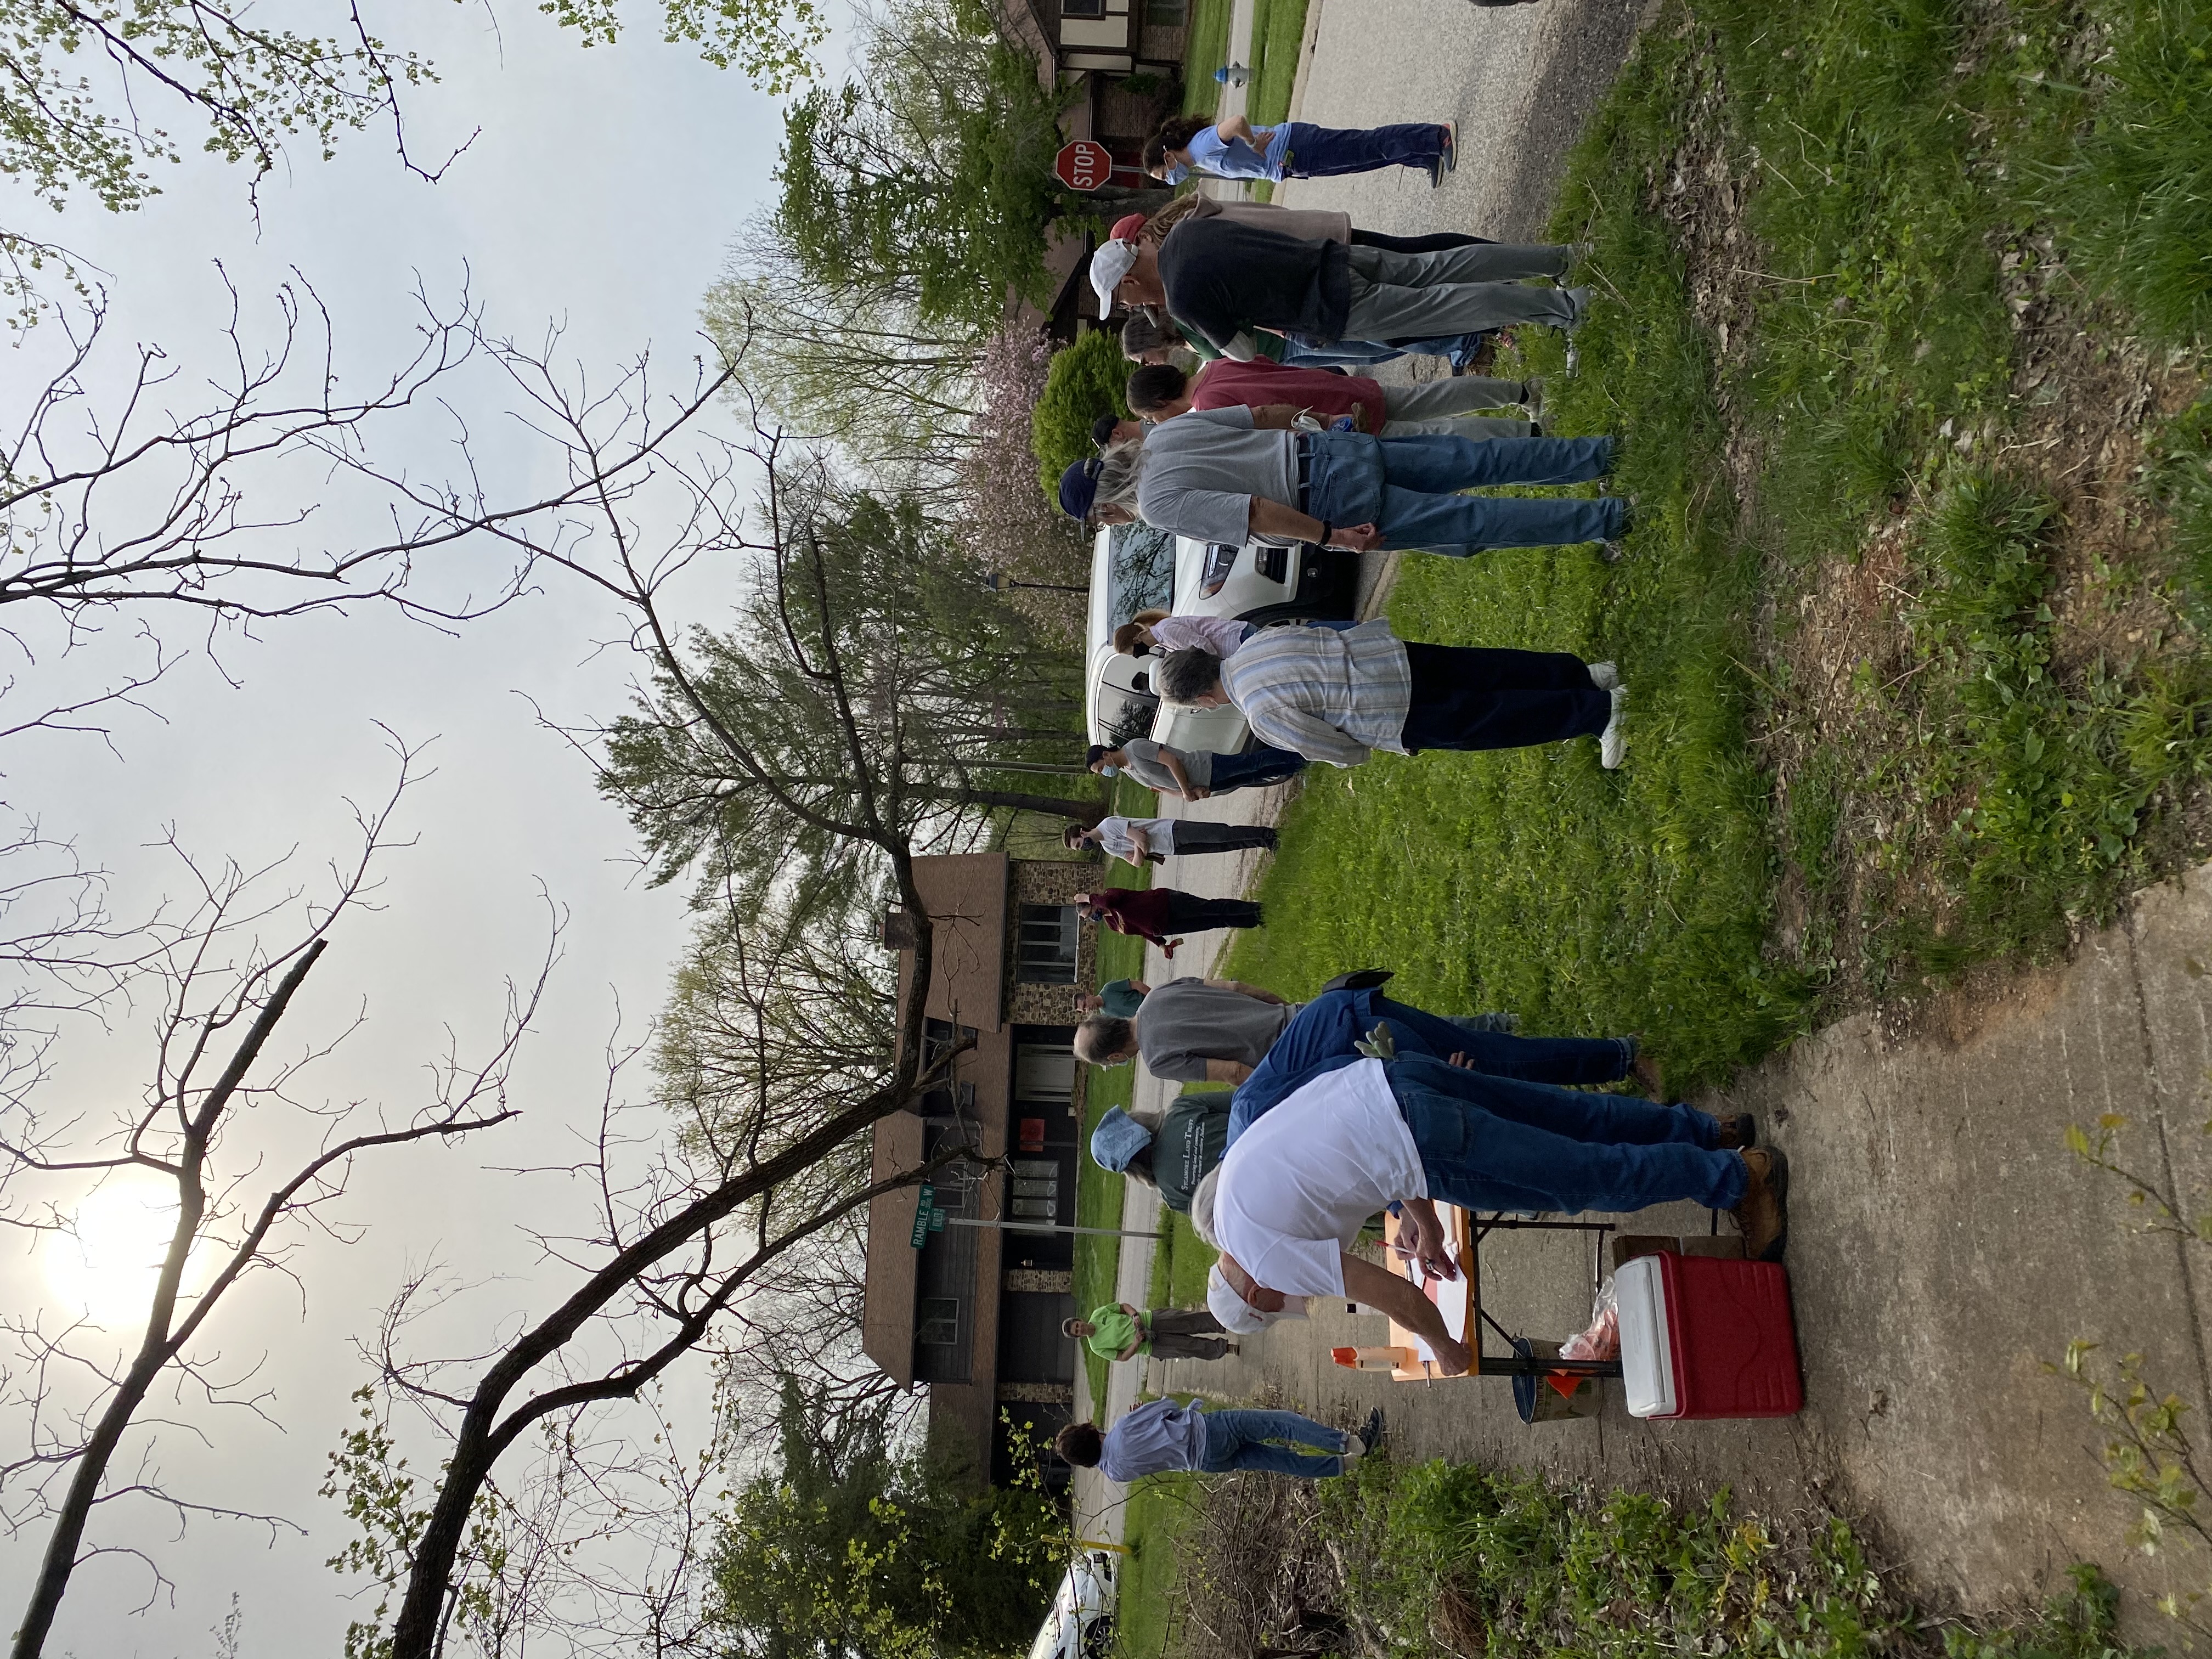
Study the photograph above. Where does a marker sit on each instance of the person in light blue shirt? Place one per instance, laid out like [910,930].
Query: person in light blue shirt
[1164,1435]
[1235,149]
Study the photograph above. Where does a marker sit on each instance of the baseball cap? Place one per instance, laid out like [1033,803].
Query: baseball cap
[1079,488]
[1113,261]
[1102,429]
[1234,1312]
[1118,1139]
[1126,227]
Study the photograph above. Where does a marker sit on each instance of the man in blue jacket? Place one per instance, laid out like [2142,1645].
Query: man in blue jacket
[1323,1035]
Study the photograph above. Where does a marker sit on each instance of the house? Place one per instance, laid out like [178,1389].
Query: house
[972,1309]
[1120,63]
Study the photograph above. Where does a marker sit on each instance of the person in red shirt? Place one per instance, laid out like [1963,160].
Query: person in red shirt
[1159,391]
[1154,913]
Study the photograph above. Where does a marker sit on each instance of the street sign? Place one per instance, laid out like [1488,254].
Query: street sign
[1083,165]
[921,1217]
[937,1221]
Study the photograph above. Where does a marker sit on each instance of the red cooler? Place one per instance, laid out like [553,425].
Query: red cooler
[1705,1336]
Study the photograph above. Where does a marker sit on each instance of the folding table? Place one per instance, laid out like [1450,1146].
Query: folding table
[1460,1300]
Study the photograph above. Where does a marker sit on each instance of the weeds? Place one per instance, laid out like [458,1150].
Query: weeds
[1458,1559]
[2149,1453]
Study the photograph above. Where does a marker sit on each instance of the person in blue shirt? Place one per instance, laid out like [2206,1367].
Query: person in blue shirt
[1323,1035]
[1167,1434]
[1234,148]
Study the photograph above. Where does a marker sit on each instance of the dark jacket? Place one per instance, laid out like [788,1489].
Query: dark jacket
[1223,277]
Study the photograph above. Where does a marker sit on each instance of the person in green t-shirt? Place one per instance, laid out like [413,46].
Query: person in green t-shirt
[1118,1331]
[1118,998]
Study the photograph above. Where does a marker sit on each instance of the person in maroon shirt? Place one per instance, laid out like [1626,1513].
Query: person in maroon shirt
[1154,913]
[1159,391]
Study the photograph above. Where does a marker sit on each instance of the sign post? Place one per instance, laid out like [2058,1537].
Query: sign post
[923,1212]
[1083,165]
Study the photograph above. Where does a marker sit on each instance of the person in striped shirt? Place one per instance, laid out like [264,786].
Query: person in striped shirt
[1337,697]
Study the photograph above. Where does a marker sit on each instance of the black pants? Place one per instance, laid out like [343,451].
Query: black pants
[1197,836]
[1467,697]
[1432,243]
[1186,1334]
[1188,914]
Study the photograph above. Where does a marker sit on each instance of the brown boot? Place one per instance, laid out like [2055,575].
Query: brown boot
[1763,1217]
[1738,1133]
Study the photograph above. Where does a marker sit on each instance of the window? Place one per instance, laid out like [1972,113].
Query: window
[937,1322]
[1165,13]
[937,1036]
[1045,951]
[955,1183]
[1035,1195]
[1082,7]
[1044,1073]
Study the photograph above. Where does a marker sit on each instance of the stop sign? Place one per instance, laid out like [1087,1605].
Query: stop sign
[1083,165]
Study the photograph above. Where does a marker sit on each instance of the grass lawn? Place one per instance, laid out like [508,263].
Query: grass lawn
[1279,33]
[1204,49]
[1913,676]
[1158,1509]
[1098,1192]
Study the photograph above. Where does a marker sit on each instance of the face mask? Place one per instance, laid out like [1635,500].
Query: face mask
[1110,771]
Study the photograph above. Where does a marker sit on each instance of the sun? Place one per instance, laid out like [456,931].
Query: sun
[105,1271]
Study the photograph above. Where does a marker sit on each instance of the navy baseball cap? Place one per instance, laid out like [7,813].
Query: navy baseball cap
[1079,488]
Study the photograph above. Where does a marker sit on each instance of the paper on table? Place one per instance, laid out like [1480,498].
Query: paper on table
[1450,1296]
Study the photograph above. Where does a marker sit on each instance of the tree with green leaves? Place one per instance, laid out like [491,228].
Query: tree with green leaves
[853,1547]
[930,175]
[921,683]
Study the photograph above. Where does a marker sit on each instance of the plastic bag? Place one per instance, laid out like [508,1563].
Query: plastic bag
[1602,1340]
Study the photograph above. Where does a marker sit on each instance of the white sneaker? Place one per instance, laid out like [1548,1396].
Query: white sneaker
[1613,743]
[1604,675]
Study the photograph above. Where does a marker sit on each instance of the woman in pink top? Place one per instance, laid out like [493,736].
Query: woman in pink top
[1159,391]
[1164,634]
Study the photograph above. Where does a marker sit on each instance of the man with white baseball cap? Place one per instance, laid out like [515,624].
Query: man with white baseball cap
[1114,260]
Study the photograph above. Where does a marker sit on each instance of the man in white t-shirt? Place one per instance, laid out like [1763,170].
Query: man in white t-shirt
[1135,839]
[1368,1134]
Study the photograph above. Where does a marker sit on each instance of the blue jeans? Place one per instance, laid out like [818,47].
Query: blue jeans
[1406,487]
[1323,152]
[1241,1440]
[1536,1059]
[1494,1143]
[1298,353]
[1255,768]
[1321,1035]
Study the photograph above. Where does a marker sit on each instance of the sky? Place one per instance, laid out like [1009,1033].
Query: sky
[599,195]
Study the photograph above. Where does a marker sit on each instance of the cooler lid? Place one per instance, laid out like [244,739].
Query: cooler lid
[1647,1362]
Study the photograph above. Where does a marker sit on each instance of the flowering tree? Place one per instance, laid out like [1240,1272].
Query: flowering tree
[1014,528]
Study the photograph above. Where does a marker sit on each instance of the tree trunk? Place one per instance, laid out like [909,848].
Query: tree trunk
[1062,806]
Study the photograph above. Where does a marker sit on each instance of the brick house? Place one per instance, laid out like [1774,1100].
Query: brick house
[974,1313]
[1121,61]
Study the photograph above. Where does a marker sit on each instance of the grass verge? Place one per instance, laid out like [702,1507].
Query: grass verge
[1278,35]
[1204,49]
[1160,1508]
